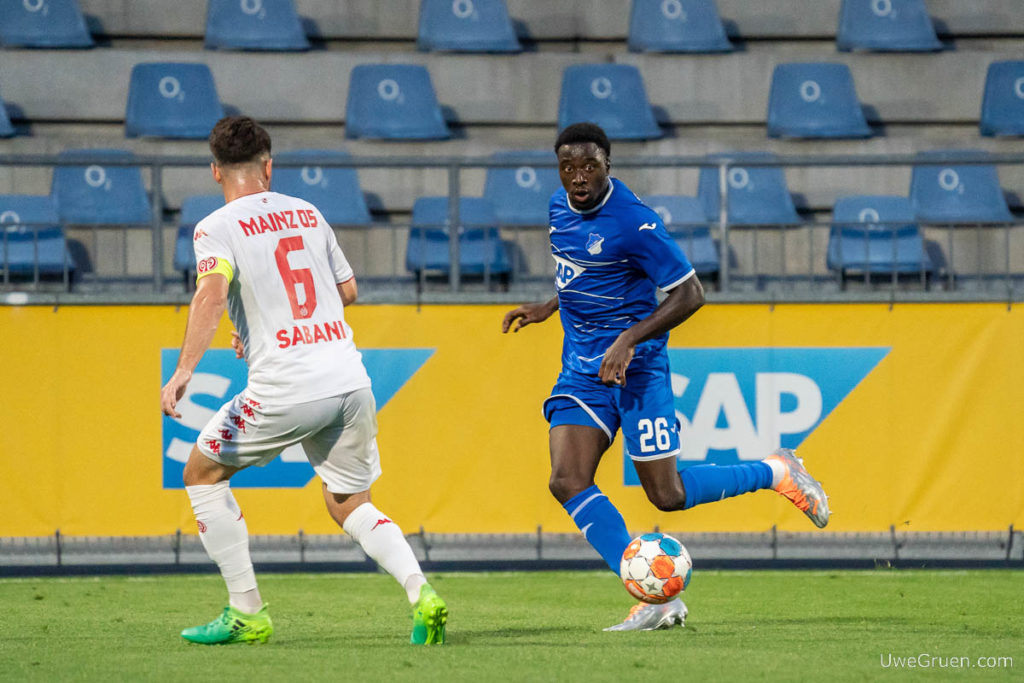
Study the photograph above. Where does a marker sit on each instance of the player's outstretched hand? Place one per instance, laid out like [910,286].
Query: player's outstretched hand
[173,391]
[616,360]
[528,313]
[236,344]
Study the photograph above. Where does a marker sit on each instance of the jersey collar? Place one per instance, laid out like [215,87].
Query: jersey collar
[607,196]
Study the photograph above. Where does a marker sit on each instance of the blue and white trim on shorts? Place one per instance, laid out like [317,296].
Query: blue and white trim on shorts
[656,456]
[585,408]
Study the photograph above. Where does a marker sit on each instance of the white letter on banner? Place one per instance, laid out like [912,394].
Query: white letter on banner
[772,423]
[193,415]
[721,395]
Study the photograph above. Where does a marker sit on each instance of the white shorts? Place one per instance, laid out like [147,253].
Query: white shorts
[338,435]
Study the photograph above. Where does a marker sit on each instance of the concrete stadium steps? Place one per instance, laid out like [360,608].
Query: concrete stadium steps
[507,90]
[393,191]
[542,20]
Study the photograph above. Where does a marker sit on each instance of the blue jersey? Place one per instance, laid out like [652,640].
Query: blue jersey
[609,261]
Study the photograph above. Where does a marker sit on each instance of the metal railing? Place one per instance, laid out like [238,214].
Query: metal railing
[813,283]
[767,549]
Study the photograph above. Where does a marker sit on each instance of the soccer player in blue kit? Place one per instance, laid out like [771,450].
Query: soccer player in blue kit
[611,253]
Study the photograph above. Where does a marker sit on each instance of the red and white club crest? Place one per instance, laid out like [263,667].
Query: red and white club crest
[206,265]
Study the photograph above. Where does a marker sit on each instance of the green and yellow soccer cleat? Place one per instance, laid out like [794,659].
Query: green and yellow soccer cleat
[233,626]
[429,616]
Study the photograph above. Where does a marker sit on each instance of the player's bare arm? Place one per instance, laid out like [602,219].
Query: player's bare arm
[348,291]
[529,313]
[682,302]
[204,315]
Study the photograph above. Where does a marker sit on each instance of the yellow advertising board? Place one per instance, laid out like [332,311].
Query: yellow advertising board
[911,415]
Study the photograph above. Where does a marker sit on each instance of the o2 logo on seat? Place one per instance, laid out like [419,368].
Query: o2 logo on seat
[219,376]
[739,404]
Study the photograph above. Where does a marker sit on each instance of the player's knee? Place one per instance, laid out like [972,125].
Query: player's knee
[667,500]
[563,488]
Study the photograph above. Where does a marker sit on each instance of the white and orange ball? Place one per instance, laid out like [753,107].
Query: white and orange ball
[655,568]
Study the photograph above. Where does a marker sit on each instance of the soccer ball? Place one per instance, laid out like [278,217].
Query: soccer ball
[655,568]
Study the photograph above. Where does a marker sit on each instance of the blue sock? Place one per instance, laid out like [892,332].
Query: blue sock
[708,483]
[601,524]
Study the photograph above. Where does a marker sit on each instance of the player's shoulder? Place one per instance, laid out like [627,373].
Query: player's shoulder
[628,208]
[215,221]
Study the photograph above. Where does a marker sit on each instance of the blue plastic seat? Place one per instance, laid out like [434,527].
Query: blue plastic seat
[952,193]
[876,234]
[31,235]
[43,23]
[171,100]
[886,26]
[466,26]
[520,194]
[393,102]
[758,195]
[1002,107]
[610,95]
[481,249]
[685,220]
[335,191]
[815,100]
[193,209]
[676,26]
[92,193]
[6,129]
[254,25]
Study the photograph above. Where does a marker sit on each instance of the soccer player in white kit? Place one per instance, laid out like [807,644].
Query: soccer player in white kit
[275,264]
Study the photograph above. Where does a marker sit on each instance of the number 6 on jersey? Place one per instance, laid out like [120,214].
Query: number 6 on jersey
[294,277]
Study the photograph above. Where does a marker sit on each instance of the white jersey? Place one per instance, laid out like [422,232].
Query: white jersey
[283,264]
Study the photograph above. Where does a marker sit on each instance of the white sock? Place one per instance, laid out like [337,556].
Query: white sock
[384,542]
[225,536]
[778,470]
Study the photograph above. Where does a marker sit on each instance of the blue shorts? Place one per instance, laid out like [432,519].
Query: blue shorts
[644,408]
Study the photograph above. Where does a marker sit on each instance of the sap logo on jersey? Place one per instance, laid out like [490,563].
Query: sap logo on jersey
[737,405]
[219,376]
[566,271]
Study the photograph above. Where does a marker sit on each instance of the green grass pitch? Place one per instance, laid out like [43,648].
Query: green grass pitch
[770,625]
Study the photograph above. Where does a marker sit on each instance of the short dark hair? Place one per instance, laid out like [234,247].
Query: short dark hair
[238,140]
[582,133]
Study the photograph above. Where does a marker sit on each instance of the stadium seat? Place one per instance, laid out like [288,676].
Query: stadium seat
[466,26]
[193,210]
[676,26]
[610,95]
[876,234]
[94,194]
[886,26]
[1002,107]
[393,102]
[254,25]
[481,249]
[520,194]
[335,191]
[815,100]
[171,100]
[30,229]
[6,129]
[43,23]
[951,193]
[758,195]
[685,220]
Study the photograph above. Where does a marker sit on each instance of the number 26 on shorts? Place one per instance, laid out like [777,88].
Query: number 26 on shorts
[656,431]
